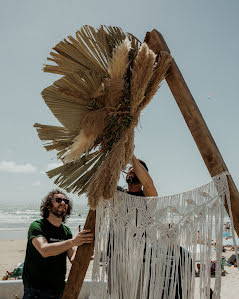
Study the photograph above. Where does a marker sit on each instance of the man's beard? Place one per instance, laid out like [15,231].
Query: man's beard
[58,213]
[132,180]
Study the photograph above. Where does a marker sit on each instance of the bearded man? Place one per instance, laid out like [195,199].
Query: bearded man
[140,184]
[139,181]
[50,242]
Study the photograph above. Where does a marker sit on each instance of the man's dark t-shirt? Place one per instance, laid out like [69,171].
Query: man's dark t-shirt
[49,272]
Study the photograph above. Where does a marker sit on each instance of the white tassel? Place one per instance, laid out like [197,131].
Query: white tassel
[146,248]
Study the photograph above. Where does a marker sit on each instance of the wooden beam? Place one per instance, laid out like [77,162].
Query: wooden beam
[81,262]
[195,122]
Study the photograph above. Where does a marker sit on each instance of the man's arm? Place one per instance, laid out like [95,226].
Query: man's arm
[144,177]
[71,253]
[52,249]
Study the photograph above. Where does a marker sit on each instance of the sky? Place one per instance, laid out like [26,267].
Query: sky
[203,38]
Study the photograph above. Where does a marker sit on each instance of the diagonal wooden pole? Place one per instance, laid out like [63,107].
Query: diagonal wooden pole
[81,262]
[195,122]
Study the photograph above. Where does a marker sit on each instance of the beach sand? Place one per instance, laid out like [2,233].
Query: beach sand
[229,282]
[12,252]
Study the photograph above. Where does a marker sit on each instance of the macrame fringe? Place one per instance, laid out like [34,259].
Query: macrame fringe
[146,248]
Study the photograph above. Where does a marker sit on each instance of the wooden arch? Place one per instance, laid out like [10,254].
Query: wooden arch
[205,143]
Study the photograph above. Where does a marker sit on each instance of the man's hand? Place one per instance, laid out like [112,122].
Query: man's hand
[83,237]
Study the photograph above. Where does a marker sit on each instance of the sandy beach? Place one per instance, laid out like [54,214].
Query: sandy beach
[12,252]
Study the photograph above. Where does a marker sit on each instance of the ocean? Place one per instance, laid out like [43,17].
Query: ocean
[15,220]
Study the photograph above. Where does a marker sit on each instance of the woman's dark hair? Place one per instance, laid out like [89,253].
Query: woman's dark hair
[47,203]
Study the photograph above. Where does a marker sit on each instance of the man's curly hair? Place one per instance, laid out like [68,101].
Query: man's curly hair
[47,203]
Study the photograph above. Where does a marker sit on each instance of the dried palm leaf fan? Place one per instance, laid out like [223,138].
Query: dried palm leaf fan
[108,78]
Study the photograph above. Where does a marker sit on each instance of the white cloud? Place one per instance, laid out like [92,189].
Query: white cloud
[36,184]
[11,166]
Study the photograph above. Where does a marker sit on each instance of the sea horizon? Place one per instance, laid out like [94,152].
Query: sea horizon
[15,219]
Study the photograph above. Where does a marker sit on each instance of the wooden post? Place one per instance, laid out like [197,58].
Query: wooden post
[81,262]
[195,122]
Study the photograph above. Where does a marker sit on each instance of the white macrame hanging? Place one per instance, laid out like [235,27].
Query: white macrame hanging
[146,247]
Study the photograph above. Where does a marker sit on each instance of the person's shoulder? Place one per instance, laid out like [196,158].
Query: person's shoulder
[65,226]
[36,229]
[66,229]
[37,223]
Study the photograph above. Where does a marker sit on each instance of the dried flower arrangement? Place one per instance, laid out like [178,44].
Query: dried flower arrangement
[108,78]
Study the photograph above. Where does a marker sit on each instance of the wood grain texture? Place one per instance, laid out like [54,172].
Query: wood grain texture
[195,122]
[81,262]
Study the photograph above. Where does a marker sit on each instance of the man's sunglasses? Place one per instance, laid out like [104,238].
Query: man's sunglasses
[59,200]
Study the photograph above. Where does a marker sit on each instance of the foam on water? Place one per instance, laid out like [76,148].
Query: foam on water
[17,216]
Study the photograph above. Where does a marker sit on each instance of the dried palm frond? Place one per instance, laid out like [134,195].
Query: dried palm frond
[108,78]
[90,50]
[79,85]
[59,137]
[66,108]
[73,175]
[78,54]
